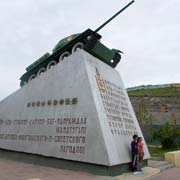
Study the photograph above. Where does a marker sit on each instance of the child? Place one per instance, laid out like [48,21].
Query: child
[140,149]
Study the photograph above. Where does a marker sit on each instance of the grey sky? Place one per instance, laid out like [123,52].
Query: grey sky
[148,32]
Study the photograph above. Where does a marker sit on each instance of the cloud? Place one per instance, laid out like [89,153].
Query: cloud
[148,33]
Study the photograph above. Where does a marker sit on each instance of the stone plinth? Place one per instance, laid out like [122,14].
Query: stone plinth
[78,110]
[173,157]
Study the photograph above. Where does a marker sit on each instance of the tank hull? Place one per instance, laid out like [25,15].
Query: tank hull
[91,44]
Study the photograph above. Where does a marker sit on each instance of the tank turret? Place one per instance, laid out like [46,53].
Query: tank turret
[89,40]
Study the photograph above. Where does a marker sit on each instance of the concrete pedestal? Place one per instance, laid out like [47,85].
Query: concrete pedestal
[173,157]
[78,110]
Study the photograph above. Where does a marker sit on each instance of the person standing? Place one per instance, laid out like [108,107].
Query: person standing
[141,149]
[135,155]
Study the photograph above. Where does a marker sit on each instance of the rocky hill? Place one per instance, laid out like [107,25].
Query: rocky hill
[156,106]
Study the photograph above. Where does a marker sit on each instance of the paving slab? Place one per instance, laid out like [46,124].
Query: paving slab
[147,172]
[169,174]
[13,170]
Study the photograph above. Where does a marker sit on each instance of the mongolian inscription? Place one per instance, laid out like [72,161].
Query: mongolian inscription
[116,107]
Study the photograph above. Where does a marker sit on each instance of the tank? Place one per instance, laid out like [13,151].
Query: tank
[88,40]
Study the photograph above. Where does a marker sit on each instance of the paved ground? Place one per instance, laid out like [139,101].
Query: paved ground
[169,174]
[12,170]
[147,173]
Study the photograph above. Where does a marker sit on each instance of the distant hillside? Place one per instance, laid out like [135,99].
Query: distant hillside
[155,105]
[170,90]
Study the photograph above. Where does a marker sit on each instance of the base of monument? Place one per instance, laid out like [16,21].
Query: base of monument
[66,164]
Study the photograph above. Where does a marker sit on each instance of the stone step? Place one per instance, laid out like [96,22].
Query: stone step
[166,166]
[162,165]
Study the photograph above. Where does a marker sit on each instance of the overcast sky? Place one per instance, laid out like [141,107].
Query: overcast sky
[148,32]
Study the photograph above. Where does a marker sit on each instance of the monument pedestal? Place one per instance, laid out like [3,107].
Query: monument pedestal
[96,169]
[78,111]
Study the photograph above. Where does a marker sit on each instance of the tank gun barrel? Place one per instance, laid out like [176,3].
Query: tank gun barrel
[110,19]
[89,40]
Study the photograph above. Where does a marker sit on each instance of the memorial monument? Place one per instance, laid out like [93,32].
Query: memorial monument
[77,112]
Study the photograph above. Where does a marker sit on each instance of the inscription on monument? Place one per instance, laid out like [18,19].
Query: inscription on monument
[69,132]
[116,107]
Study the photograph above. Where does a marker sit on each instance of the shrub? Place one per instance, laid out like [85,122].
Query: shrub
[168,136]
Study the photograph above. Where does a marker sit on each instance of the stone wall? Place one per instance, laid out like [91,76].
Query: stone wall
[159,110]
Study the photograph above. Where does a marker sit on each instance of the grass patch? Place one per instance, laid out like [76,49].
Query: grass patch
[166,91]
[157,151]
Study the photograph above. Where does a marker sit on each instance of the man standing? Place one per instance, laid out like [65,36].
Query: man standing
[135,157]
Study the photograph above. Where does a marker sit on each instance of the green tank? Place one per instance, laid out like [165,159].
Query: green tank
[89,41]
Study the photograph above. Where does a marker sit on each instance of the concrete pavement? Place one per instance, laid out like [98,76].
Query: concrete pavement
[147,173]
[13,170]
[169,174]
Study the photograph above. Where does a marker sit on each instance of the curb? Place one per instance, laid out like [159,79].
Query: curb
[147,172]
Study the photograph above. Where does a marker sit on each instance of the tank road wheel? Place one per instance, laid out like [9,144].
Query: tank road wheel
[64,55]
[41,71]
[77,46]
[31,77]
[51,64]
